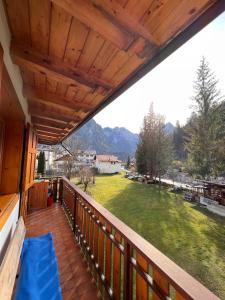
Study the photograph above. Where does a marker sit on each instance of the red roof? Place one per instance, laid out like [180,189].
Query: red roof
[110,158]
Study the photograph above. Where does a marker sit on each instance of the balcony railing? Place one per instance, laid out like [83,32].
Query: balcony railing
[124,265]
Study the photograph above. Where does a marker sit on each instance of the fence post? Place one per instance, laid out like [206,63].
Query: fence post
[127,282]
[55,188]
[74,212]
[61,191]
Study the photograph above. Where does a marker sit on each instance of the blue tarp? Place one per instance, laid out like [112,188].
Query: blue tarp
[38,276]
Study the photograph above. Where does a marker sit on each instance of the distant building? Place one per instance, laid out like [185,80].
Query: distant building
[86,156]
[107,164]
[50,156]
[80,159]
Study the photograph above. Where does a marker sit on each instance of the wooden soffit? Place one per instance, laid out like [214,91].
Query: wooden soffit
[77,56]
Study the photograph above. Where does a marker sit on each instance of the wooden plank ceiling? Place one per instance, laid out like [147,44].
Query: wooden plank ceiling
[75,54]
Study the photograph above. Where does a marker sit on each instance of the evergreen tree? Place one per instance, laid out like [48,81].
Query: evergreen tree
[219,165]
[128,162]
[154,151]
[41,163]
[202,141]
[179,142]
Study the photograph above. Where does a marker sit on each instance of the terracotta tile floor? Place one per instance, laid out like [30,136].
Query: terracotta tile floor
[76,280]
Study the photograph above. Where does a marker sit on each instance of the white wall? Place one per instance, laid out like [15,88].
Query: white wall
[13,70]
[107,167]
[8,230]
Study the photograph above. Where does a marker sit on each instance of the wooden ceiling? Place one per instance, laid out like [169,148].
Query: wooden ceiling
[76,56]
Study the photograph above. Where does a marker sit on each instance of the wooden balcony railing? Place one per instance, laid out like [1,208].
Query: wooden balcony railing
[124,265]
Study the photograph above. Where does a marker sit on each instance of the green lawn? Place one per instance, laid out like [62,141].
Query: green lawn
[189,235]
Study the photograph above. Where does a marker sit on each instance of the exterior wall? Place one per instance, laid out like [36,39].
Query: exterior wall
[8,230]
[107,167]
[13,70]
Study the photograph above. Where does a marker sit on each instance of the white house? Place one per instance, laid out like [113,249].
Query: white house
[86,156]
[107,164]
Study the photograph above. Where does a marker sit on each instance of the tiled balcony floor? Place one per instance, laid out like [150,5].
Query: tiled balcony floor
[76,281]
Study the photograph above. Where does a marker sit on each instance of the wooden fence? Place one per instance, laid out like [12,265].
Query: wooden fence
[124,265]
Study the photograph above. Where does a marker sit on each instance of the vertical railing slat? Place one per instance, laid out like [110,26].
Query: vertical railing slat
[161,281]
[128,273]
[108,256]
[141,284]
[117,269]
[179,296]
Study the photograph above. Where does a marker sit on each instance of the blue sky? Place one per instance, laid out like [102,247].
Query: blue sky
[170,85]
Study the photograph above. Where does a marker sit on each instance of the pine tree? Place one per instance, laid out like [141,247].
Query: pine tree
[41,163]
[154,151]
[128,162]
[178,142]
[201,143]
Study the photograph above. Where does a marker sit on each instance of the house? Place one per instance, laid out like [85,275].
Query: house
[107,164]
[86,156]
[61,62]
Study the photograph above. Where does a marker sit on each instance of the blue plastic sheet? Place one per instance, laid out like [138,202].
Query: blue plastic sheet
[39,275]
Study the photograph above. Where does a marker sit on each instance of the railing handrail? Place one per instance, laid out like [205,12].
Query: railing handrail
[178,277]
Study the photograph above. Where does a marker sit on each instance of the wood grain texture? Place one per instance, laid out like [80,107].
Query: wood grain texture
[141,284]
[44,65]
[1,68]
[91,51]
[29,158]
[52,98]
[12,155]
[40,24]
[18,15]
[161,281]
[59,31]
[117,269]
[10,262]
[7,204]
[48,122]
[124,19]
[87,13]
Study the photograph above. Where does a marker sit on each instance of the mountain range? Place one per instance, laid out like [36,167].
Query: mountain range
[118,141]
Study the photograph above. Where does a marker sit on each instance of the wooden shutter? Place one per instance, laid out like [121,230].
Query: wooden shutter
[29,166]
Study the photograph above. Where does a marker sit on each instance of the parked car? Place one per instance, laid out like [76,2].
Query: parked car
[175,189]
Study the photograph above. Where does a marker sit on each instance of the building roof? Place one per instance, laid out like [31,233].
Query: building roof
[107,158]
[78,56]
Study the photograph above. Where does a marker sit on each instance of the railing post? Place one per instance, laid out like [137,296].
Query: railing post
[127,282]
[55,188]
[61,191]
[75,212]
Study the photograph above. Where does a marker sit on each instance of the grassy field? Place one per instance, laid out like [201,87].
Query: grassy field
[189,235]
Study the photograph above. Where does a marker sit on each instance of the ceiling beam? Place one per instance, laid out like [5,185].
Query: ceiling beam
[47,137]
[38,112]
[50,105]
[125,20]
[48,111]
[48,133]
[40,120]
[46,142]
[40,95]
[29,59]
[56,130]
[107,18]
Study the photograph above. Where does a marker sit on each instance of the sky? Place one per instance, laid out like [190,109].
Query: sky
[170,84]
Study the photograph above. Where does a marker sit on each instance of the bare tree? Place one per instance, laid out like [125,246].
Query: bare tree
[73,145]
[86,175]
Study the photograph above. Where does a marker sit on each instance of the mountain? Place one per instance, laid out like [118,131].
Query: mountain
[169,128]
[118,141]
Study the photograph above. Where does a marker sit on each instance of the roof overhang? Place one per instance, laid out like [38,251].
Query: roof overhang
[77,56]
